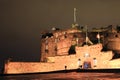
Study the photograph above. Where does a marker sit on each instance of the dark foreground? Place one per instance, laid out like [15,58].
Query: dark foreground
[65,76]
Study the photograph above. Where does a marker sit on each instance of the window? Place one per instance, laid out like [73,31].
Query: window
[74,36]
[65,36]
[57,39]
[55,48]
[116,36]
[94,62]
[46,48]
[46,51]
[87,55]
[79,63]
[46,42]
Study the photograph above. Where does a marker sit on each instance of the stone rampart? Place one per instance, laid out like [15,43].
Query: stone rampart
[96,58]
[33,67]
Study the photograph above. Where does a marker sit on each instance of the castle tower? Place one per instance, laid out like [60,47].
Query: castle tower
[59,42]
[48,46]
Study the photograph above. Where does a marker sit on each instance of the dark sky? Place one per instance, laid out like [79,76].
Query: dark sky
[21,22]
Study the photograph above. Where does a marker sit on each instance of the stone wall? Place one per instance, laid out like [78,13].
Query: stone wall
[114,63]
[27,67]
[33,67]
[58,63]
[91,54]
[114,44]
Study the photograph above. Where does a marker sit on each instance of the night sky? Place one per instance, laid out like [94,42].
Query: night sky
[22,21]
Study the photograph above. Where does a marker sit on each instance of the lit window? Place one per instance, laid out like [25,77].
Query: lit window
[57,39]
[46,42]
[87,55]
[79,63]
[46,48]
[56,35]
[95,62]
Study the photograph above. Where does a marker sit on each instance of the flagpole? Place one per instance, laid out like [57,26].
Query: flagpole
[74,15]
[86,34]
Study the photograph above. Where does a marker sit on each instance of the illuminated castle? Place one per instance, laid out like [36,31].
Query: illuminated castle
[65,50]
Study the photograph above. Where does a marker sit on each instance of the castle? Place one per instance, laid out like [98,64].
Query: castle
[66,49]
[70,49]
